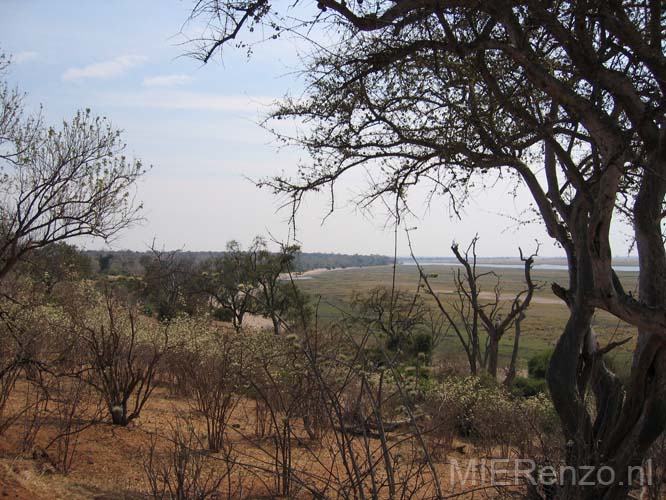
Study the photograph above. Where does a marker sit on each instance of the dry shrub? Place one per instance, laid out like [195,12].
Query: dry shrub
[122,350]
[176,370]
[361,452]
[441,427]
[25,323]
[74,406]
[10,369]
[214,376]
[274,372]
[185,471]
[262,419]
[490,418]
[188,337]
[35,406]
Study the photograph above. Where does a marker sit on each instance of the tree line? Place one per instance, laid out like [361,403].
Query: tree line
[129,262]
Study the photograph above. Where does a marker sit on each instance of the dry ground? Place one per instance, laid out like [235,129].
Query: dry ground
[109,460]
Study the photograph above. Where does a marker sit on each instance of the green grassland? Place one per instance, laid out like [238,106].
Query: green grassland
[546,317]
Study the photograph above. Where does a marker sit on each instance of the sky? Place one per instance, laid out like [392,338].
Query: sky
[198,127]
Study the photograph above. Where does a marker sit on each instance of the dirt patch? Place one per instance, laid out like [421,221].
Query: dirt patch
[256,322]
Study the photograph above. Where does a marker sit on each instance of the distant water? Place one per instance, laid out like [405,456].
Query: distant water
[545,267]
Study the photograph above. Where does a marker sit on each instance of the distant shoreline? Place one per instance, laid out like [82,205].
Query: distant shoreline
[623,266]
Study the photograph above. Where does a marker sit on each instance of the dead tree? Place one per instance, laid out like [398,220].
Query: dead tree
[471,317]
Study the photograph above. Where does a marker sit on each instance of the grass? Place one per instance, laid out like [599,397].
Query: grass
[544,323]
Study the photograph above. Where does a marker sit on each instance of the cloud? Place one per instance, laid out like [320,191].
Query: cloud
[182,100]
[104,69]
[165,80]
[24,56]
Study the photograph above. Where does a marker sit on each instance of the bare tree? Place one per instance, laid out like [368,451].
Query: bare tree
[473,316]
[58,184]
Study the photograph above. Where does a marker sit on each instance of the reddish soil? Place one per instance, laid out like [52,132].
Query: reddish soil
[109,460]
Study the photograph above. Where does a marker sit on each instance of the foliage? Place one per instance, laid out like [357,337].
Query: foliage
[528,386]
[58,184]
[537,365]
[404,323]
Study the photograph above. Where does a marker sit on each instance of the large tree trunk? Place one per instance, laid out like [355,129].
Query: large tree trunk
[627,420]
[626,429]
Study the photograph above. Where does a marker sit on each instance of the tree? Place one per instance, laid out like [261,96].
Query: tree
[255,281]
[278,298]
[567,98]
[171,285]
[475,315]
[230,282]
[403,321]
[59,184]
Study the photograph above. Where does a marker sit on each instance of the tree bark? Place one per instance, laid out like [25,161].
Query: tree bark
[492,353]
[511,372]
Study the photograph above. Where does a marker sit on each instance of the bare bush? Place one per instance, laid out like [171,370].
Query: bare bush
[176,371]
[215,380]
[74,407]
[123,350]
[35,405]
[362,442]
[268,370]
[26,323]
[184,471]
[9,373]
[376,447]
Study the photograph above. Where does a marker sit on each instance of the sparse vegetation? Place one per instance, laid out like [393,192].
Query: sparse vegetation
[354,406]
[262,372]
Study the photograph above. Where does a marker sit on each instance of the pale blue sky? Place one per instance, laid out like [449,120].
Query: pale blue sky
[197,126]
